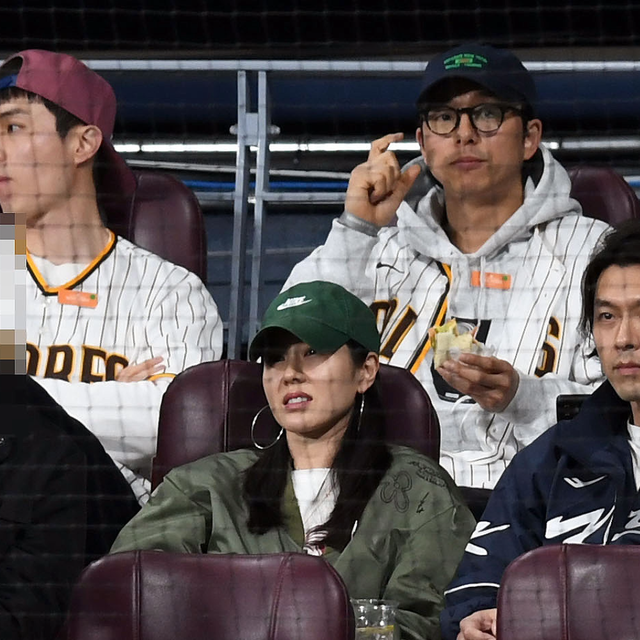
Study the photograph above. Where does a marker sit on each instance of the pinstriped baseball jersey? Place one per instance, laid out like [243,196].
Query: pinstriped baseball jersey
[125,307]
[521,289]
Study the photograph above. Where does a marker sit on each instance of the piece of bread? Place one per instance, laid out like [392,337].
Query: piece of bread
[446,338]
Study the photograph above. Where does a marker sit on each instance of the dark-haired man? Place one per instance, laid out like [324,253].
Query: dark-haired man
[579,482]
[496,242]
[108,323]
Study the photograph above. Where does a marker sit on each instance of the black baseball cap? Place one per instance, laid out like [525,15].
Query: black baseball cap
[322,314]
[498,70]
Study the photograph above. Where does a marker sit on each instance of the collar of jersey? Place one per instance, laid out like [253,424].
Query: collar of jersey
[41,282]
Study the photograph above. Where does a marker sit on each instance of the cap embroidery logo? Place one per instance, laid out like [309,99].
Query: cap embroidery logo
[292,302]
[466,60]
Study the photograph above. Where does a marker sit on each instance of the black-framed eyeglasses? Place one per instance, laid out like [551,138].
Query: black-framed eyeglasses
[486,117]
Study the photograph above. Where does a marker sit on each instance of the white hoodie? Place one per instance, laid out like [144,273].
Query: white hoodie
[522,289]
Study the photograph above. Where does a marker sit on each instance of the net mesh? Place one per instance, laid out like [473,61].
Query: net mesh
[376,28]
[182,119]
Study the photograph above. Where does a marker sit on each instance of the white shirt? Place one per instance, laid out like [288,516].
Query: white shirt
[316,495]
[58,274]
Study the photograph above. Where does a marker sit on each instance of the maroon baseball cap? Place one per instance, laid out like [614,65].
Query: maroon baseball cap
[70,84]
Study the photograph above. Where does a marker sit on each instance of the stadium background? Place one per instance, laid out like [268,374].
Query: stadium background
[585,56]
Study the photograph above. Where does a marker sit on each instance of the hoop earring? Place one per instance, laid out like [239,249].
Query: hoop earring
[253,426]
[361,412]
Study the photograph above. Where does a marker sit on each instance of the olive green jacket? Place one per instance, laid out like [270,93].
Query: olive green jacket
[406,547]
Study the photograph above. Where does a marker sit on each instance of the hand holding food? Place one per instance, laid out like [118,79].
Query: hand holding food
[448,343]
[468,366]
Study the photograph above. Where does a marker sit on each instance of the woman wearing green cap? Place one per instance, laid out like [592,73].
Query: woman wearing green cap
[387,518]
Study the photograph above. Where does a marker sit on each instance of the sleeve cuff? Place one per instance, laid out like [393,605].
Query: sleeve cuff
[352,221]
[525,407]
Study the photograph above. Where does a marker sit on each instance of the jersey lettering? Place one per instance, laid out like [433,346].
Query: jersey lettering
[549,353]
[402,327]
[59,362]
[115,364]
[383,310]
[33,359]
[96,364]
[89,357]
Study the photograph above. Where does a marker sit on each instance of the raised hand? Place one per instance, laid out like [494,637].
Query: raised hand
[378,186]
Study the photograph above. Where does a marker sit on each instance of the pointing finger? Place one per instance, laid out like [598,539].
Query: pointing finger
[379,146]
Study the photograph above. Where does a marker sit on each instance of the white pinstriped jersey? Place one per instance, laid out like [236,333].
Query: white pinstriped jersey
[125,307]
[521,288]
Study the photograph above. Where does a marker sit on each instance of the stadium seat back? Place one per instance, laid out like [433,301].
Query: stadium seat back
[604,194]
[163,216]
[571,592]
[152,595]
[210,407]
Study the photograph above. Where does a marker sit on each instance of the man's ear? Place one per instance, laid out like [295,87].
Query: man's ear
[420,138]
[532,137]
[85,140]
[420,141]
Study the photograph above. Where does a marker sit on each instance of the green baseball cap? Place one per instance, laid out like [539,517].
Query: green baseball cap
[322,314]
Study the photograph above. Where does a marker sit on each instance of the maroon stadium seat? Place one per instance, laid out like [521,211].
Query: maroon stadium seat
[603,194]
[151,595]
[209,408]
[571,592]
[163,216]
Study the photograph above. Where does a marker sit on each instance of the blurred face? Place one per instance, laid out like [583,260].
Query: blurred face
[35,163]
[473,164]
[311,394]
[12,296]
[616,331]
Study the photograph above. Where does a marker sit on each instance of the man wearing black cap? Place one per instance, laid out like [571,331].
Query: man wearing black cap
[494,241]
[108,324]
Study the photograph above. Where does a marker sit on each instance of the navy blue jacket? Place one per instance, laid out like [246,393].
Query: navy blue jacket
[574,484]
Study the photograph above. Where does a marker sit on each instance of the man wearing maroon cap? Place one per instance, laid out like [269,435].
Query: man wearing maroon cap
[108,323]
[487,234]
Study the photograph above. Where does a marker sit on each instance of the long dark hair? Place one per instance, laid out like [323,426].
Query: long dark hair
[360,463]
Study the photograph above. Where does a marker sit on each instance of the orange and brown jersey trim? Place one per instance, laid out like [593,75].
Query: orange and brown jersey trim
[83,275]
[437,320]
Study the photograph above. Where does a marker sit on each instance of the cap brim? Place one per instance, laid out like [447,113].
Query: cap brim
[327,340]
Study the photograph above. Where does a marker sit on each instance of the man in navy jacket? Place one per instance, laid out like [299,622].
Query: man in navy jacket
[579,481]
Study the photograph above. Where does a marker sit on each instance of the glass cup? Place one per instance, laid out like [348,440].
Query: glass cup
[375,619]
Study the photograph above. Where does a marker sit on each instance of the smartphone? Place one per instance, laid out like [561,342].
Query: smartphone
[568,405]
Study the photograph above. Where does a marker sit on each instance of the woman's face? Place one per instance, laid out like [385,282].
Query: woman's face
[312,394]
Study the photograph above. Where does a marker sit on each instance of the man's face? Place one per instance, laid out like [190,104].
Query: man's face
[479,165]
[616,331]
[35,163]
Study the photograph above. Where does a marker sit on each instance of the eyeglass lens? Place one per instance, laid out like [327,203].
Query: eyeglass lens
[486,118]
